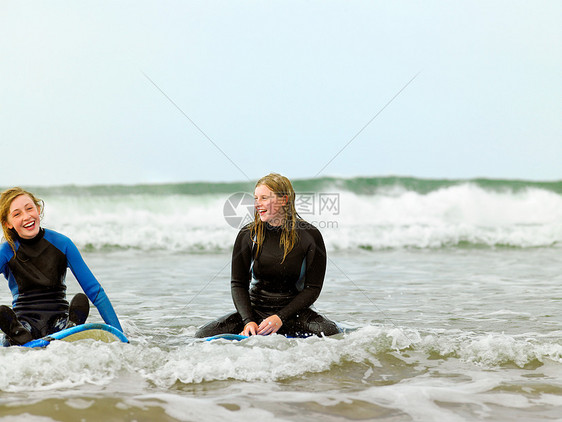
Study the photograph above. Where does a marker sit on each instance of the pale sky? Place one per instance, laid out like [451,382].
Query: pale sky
[96,92]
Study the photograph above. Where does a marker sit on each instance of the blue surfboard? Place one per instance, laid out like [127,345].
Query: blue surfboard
[101,332]
[238,337]
[235,337]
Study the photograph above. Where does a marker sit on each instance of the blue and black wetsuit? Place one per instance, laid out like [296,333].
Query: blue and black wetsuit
[265,285]
[36,277]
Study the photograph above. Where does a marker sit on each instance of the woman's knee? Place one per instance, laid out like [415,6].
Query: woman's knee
[228,324]
[309,322]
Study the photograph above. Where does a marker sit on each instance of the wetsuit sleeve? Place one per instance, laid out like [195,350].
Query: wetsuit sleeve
[91,286]
[5,256]
[315,272]
[240,275]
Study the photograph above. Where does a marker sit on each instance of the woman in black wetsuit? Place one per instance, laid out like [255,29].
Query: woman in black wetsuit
[278,267]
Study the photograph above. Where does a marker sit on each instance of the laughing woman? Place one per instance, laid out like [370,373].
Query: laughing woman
[34,261]
[278,267]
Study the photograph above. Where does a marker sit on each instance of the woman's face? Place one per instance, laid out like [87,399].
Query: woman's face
[269,206]
[24,217]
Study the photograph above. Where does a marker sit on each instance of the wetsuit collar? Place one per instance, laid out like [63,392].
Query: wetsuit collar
[273,228]
[31,241]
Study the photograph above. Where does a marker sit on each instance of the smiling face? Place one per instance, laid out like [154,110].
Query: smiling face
[269,206]
[24,217]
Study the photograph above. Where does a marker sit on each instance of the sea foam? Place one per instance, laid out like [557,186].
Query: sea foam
[458,215]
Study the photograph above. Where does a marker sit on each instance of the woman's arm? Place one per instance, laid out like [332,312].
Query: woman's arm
[315,271]
[88,281]
[240,275]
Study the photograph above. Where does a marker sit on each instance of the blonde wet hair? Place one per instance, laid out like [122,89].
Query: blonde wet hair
[6,200]
[281,187]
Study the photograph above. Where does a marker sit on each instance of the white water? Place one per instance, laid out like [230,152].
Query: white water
[459,215]
[447,334]
[452,299]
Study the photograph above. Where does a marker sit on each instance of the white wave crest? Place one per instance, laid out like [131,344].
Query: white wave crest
[463,214]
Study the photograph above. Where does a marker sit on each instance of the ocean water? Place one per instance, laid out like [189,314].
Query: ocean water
[450,293]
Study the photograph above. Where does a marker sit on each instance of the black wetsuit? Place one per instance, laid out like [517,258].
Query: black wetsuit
[36,276]
[265,286]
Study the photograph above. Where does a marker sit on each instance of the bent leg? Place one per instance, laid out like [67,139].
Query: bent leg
[78,310]
[228,324]
[309,323]
[15,332]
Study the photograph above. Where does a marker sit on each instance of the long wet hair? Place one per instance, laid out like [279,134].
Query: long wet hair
[281,187]
[6,200]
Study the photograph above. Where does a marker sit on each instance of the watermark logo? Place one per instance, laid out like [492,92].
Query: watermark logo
[322,203]
[238,210]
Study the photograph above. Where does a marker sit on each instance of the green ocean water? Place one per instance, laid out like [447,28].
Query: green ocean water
[357,185]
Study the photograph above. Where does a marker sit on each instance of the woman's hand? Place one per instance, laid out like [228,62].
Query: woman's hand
[270,325]
[250,329]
